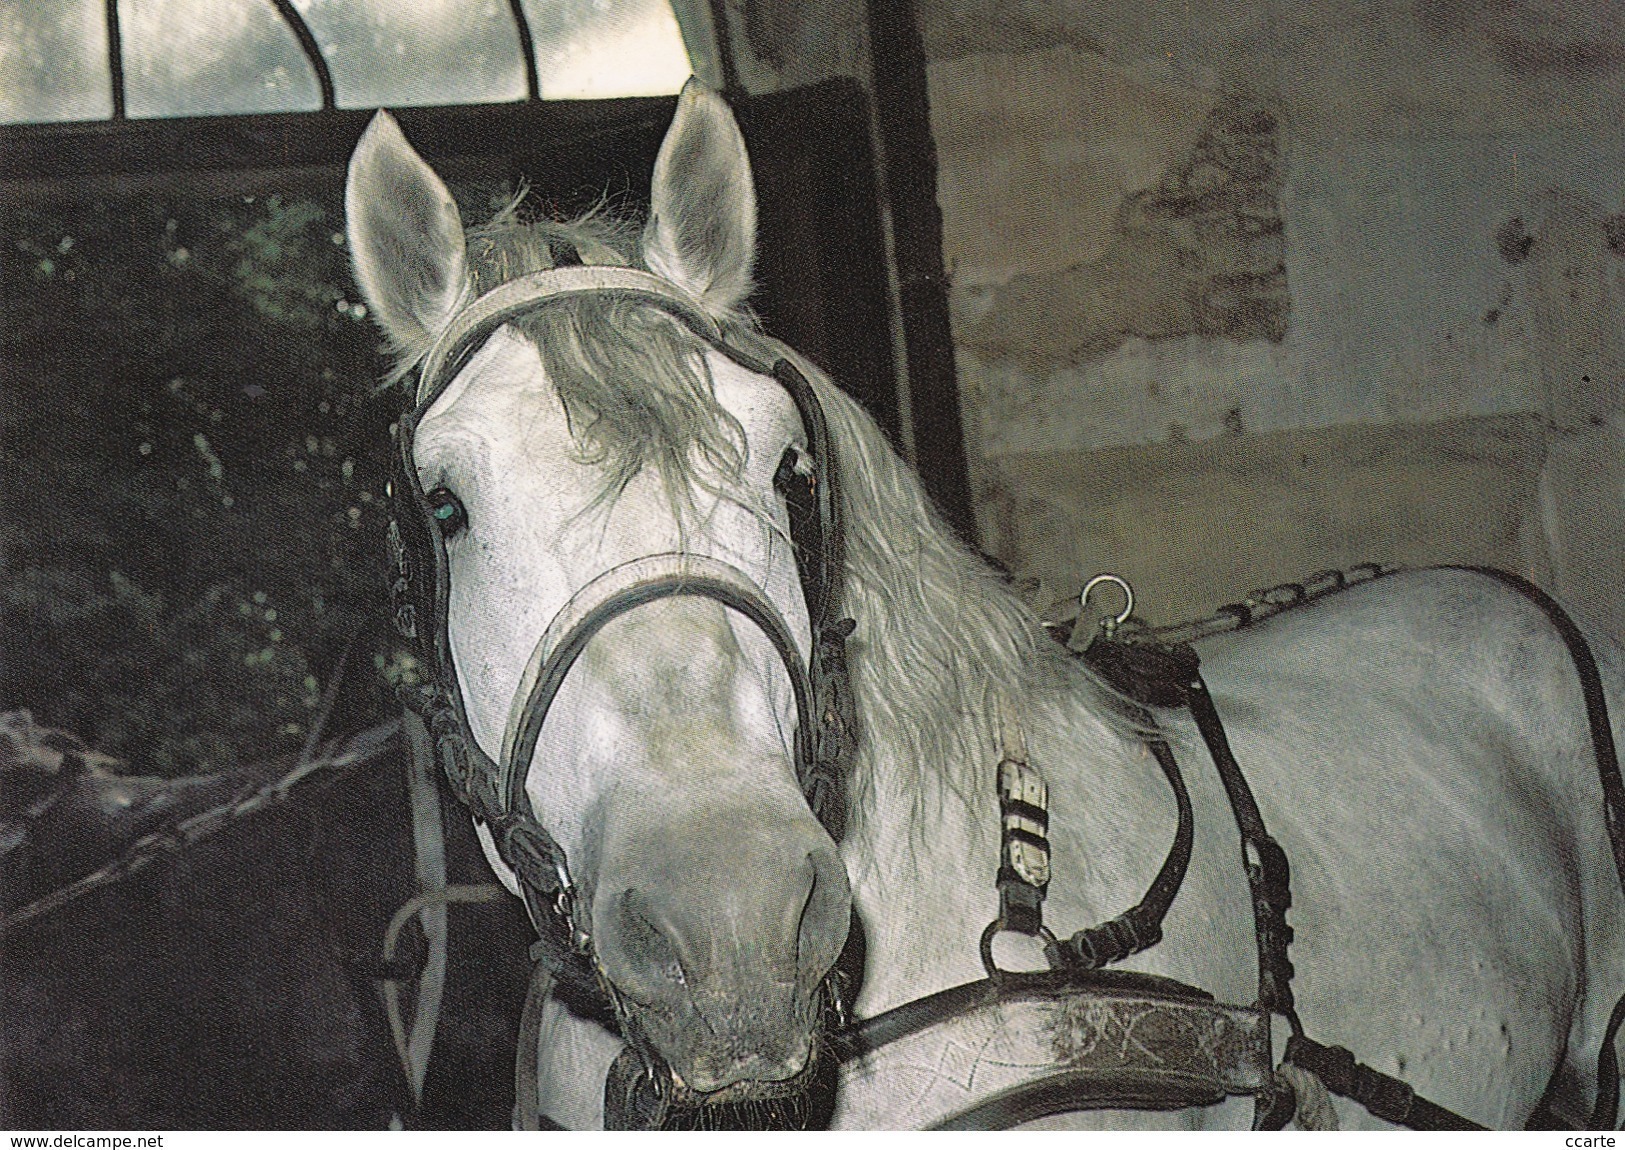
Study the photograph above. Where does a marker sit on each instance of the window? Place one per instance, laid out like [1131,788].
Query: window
[53,62]
[170,58]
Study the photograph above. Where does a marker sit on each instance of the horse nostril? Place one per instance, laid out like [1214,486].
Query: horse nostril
[824,918]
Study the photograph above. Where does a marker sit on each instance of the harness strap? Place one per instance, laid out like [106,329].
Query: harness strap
[1269,876]
[1387,1097]
[1270,883]
[825,551]
[1024,856]
[1024,851]
[1140,927]
[819,536]
[1605,1112]
[1164,675]
[1140,673]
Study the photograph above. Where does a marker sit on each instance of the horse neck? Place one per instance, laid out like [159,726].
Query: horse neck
[942,645]
[922,870]
[922,852]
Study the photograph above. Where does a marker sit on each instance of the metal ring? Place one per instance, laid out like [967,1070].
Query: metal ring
[985,947]
[1121,583]
[995,928]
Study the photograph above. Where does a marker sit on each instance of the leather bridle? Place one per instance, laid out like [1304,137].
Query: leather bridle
[494,791]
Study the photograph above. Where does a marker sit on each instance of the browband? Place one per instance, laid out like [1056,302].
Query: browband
[516,297]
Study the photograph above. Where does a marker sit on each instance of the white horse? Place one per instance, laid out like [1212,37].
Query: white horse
[1418,745]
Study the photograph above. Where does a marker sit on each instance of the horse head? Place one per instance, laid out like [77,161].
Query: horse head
[595,438]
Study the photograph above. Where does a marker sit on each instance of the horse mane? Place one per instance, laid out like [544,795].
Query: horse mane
[943,645]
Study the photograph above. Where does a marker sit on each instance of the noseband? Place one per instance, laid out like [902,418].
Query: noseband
[495,791]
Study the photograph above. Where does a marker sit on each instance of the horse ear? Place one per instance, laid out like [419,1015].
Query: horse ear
[701,233]
[406,239]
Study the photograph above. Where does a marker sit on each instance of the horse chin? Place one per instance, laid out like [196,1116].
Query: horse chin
[683,1079]
[707,1061]
[641,1095]
[745,1090]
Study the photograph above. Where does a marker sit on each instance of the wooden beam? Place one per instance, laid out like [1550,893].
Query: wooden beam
[908,177]
[88,150]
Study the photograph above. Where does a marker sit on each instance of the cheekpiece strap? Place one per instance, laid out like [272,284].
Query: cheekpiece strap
[825,784]
[1024,846]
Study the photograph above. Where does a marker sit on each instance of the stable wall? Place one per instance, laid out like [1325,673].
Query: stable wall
[1242,291]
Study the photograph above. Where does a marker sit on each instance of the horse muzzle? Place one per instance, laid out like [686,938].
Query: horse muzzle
[717,931]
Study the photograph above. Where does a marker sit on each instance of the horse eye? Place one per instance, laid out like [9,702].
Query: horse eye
[447,511]
[788,480]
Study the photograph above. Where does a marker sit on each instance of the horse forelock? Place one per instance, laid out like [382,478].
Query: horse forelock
[632,379]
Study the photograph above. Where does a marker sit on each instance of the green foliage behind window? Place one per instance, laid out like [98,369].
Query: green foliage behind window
[194,457]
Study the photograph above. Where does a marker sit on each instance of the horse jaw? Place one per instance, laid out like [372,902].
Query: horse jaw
[406,239]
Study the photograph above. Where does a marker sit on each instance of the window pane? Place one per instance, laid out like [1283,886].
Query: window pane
[219,57]
[399,52]
[53,62]
[597,49]
[212,57]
